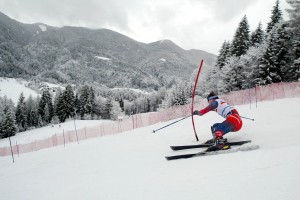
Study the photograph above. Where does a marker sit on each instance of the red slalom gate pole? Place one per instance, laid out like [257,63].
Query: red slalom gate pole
[193,96]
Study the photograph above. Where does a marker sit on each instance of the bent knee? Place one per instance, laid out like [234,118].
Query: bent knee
[236,121]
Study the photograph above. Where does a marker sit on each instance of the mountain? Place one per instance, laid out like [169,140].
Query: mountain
[80,55]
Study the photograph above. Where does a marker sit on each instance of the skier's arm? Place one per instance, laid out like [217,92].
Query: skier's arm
[213,105]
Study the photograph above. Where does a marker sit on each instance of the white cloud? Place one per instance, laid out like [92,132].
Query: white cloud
[192,24]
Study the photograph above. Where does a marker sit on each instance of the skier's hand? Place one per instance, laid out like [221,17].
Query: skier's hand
[196,112]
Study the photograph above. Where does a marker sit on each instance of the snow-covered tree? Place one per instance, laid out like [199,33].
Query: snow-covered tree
[212,79]
[241,39]
[179,94]
[5,106]
[275,17]
[87,101]
[32,112]
[115,110]
[46,100]
[294,29]
[106,114]
[56,100]
[142,104]
[274,64]
[21,113]
[9,127]
[257,36]
[92,101]
[294,71]
[224,54]
[84,101]
[129,107]
[251,61]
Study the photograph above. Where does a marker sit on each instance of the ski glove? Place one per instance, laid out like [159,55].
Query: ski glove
[196,112]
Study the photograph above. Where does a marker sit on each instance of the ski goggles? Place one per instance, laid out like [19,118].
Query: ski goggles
[212,97]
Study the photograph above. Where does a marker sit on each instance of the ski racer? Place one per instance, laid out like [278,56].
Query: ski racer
[232,123]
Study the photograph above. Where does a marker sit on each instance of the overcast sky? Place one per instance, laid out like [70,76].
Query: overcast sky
[192,24]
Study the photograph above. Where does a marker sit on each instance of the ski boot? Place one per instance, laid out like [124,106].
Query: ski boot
[213,132]
[211,141]
[219,144]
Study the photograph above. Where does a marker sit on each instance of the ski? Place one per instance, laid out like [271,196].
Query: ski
[207,153]
[176,148]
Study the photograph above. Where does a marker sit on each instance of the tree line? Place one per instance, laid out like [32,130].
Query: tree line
[87,103]
[260,57]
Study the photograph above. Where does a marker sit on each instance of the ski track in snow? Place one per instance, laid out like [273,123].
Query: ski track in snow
[131,165]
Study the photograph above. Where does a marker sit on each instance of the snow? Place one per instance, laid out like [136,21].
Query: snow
[43,27]
[48,131]
[12,88]
[51,85]
[132,89]
[131,165]
[102,58]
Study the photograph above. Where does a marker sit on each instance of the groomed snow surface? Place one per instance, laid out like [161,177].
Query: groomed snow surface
[131,165]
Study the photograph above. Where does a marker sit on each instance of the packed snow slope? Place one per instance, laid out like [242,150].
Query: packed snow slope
[132,166]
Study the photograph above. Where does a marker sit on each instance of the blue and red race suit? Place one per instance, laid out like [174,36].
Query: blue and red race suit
[233,120]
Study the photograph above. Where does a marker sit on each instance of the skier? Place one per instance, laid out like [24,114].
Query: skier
[232,123]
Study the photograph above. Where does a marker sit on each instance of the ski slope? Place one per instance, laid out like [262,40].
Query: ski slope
[12,89]
[131,165]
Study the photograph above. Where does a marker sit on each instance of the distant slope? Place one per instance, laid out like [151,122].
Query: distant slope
[11,88]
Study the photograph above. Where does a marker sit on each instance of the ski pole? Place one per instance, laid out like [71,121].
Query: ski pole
[171,123]
[247,118]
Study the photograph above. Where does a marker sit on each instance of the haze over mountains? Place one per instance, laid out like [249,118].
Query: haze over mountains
[79,55]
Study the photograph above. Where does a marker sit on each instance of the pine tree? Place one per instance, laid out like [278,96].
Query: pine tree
[60,107]
[46,99]
[91,102]
[115,110]
[108,109]
[294,27]
[225,84]
[121,102]
[232,77]
[212,80]
[1,130]
[295,68]
[241,39]
[274,64]
[251,61]
[66,104]
[21,113]
[56,99]
[235,74]
[275,17]
[77,104]
[47,113]
[178,94]
[257,37]
[84,101]
[9,127]
[224,54]
[69,99]
[6,105]
[32,114]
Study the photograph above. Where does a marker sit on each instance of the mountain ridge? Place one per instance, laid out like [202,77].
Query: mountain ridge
[69,54]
